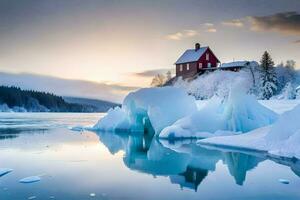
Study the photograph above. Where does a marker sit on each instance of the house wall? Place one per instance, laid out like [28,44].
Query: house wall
[212,59]
[187,73]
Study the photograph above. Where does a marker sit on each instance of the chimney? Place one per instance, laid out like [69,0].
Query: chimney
[197,46]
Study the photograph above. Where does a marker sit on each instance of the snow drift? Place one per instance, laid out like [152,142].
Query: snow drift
[239,112]
[215,83]
[281,139]
[149,108]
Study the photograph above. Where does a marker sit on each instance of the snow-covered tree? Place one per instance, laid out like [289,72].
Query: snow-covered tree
[158,81]
[268,78]
[288,92]
[286,73]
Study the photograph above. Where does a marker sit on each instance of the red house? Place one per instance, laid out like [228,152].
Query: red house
[196,61]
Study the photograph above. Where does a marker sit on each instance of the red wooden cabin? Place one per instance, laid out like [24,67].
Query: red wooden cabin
[196,61]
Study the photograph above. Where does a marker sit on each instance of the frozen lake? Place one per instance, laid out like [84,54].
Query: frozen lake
[89,165]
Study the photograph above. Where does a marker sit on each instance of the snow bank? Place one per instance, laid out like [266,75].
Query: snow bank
[149,108]
[215,83]
[280,106]
[115,119]
[238,112]
[281,139]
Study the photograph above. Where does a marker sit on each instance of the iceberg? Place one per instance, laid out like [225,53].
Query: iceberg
[148,109]
[237,113]
[115,119]
[280,139]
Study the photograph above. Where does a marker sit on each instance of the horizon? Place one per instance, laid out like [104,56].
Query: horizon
[105,43]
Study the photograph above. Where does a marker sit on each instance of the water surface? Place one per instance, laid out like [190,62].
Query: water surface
[97,165]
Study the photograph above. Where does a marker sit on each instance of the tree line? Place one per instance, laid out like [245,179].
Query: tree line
[34,101]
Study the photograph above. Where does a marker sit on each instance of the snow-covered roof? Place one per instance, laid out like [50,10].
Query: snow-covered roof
[191,55]
[234,64]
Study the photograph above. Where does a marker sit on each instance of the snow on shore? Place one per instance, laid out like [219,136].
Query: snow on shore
[280,139]
[149,108]
[237,113]
[280,106]
[171,113]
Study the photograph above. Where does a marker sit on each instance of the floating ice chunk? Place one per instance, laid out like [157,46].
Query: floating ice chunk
[92,195]
[32,197]
[77,128]
[238,112]
[149,108]
[284,181]
[115,119]
[31,179]
[4,171]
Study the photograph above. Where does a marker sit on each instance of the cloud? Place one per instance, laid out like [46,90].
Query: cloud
[66,87]
[151,73]
[284,23]
[234,23]
[209,27]
[182,34]
[208,24]
[211,30]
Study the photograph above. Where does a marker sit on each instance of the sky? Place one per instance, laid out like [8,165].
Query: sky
[123,44]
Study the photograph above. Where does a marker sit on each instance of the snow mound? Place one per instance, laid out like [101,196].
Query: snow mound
[115,119]
[218,83]
[239,112]
[147,109]
[281,139]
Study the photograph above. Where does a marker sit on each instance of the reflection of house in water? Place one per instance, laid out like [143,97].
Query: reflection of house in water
[191,178]
[238,165]
[186,165]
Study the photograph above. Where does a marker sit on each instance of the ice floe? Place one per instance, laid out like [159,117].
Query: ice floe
[237,113]
[4,171]
[148,109]
[31,179]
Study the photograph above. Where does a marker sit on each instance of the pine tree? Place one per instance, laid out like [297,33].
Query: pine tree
[268,78]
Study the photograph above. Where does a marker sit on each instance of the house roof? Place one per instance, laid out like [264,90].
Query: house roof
[191,55]
[234,64]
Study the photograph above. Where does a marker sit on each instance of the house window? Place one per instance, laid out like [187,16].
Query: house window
[209,65]
[180,67]
[200,66]
[187,66]
[207,56]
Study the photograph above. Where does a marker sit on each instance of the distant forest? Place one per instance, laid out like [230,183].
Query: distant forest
[18,100]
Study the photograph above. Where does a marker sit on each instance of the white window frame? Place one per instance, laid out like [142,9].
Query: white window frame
[207,56]
[180,67]
[209,65]
[187,67]
[200,65]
